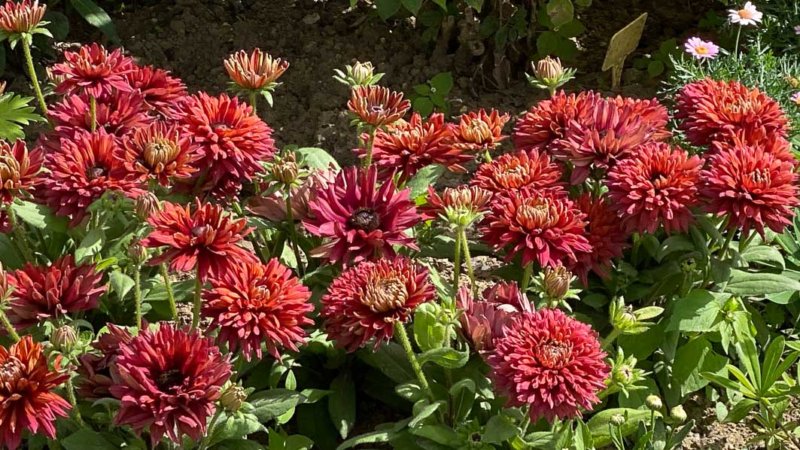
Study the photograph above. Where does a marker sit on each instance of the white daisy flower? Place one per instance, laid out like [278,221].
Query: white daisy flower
[746,16]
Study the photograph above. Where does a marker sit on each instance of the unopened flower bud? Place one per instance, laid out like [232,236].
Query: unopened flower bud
[285,169]
[678,414]
[654,402]
[555,282]
[5,290]
[359,74]
[137,252]
[146,204]
[548,69]
[64,338]
[688,265]
[233,397]
[618,419]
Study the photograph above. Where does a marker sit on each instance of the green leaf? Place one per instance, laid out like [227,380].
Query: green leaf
[120,283]
[429,331]
[698,311]
[655,68]
[561,12]
[740,410]
[424,413]
[572,29]
[440,434]
[499,429]
[342,403]
[691,360]
[764,255]
[463,397]
[412,6]
[387,8]
[15,113]
[96,17]
[390,359]
[446,357]
[240,444]
[39,216]
[58,26]
[442,83]
[759,283]
[317,158]
[90,245]
[427,176]
[674,244]
[423,105]
[270,404]
[442,4]
[9,254]
[375,437]
[85,439]
[599,423]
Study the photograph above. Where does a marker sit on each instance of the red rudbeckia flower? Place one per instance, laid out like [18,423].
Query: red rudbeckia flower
[27,400]
[118,115]
[93,71]
[205,239]
[167,382]
[18,169]
[360,219]
[254,71]
[657,186]
[479,131]
[367,300]
[232,141]
[273,206]
[485,320]
[606,236]
[712,110]
[752,187]
[258,303]
[550,362]
[158,88]
[42,293]
[377,105]
[651,111]
[514,171]
[159,152]
[17,17]
[543,226]
[548,120]
[81,171]
[409,146]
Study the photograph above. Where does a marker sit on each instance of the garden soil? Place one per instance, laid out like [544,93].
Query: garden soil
[192,37]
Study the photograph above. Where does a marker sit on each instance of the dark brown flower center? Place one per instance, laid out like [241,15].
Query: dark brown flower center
[554,354]
[11,370]
[364,219]
[160,153]
[169,379]
[385,294]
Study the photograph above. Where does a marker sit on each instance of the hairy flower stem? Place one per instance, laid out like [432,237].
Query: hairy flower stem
[468,261]
[26,49]
[12,332]
[20,236]
[72,401]
[402,336]
[173,309]
[608,340]
[93,112]
[293,232]
[526,278]
[727,245]
[254,102]
[198,289]
[457,262]
[137,294]
[370,142]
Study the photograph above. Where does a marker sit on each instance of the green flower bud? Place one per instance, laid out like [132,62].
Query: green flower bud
[678,414]
[618,419]
[64,338]
[654,402]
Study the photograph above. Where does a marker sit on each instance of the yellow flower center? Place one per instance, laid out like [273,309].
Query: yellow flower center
[385,294]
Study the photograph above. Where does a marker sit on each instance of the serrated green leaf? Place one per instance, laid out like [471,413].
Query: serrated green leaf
[317,158]
[120,283]
[446,357]
[427,176]
[90,245]
[39,216]
[698,311]
[15,113]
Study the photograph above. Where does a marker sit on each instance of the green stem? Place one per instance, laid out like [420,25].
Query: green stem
[137,295]
[293,231]
[736,47]
[745,240]
[19,234]
[254,102]
[468,261]
[608,340]
[402,336]
[198,289]
[552,90]
[93,112]
[526,278]
[173,309]
[12,332]
[71,398]
[727,244]
[252,237]
[368,159]
[210,430]
[457,262]
[487,156]
[26,49]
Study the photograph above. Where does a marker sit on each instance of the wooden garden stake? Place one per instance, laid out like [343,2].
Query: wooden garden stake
[622,44]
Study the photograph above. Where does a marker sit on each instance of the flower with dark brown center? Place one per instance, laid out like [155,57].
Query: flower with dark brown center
[361,219]
[167,382]
[377,106]
[366,300]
